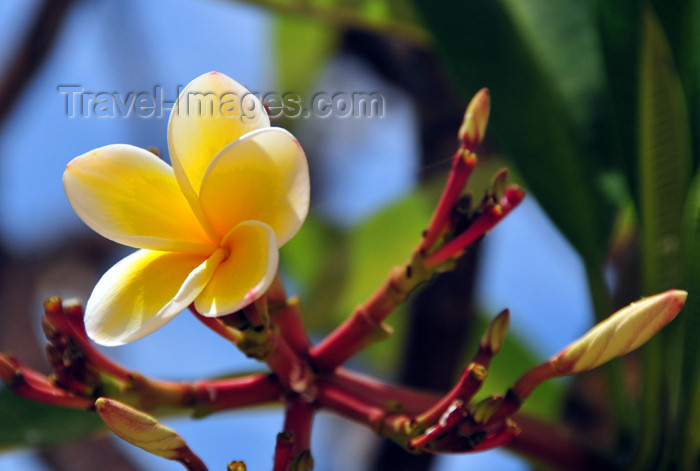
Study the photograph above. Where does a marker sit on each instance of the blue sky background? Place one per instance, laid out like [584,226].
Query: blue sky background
[129,45]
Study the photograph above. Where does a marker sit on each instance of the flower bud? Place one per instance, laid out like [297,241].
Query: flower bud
[473,127]
[141,429]
[499,184]
[495,333]
[482,411]
[624,331]
[303,462]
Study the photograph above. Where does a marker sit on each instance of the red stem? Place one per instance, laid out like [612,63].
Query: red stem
[292,371]
[191,461]
[345,341]
[370,390]
[298,419]
[215,324]
[253,314]
[284,452]
[483,356]
[235,393]
[291,327]
[483,223]
[527,383]
[451,416]
[463,163]
[556,446]
[348,405]
[353,334]
[468,385]
[502,436]
[510,405]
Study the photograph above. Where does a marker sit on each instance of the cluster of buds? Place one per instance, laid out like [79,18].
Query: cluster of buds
[75,368]
[456,424]
[455,221]
[85,379]
[306,378]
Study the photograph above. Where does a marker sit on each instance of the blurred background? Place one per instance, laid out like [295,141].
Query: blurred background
[558,122]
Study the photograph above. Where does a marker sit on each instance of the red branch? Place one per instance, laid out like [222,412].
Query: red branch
[367,320]
[371,390]
[337,399]
[463,163]
[468,385]
[298,419]
[191,461]
[284,452]
[293,372]
[483,223]
[555,445]
[235,393]
[291,328]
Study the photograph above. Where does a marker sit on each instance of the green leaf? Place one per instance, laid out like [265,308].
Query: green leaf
[664,158]
[28,423]
[486,44]
[665,163]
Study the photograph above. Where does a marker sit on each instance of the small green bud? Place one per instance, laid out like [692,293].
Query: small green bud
[303,462]
[482,411]
[496,332]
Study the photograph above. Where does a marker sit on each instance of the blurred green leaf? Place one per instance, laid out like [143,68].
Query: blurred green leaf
[619,25]
[28,423]
[303,46]
[303,256]
[554,30]
[664,166]
[690,317]
[619,29]
[317,260]
[394,18]
[486,44]
[680,20]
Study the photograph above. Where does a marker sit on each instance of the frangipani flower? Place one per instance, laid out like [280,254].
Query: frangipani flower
[208,228]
